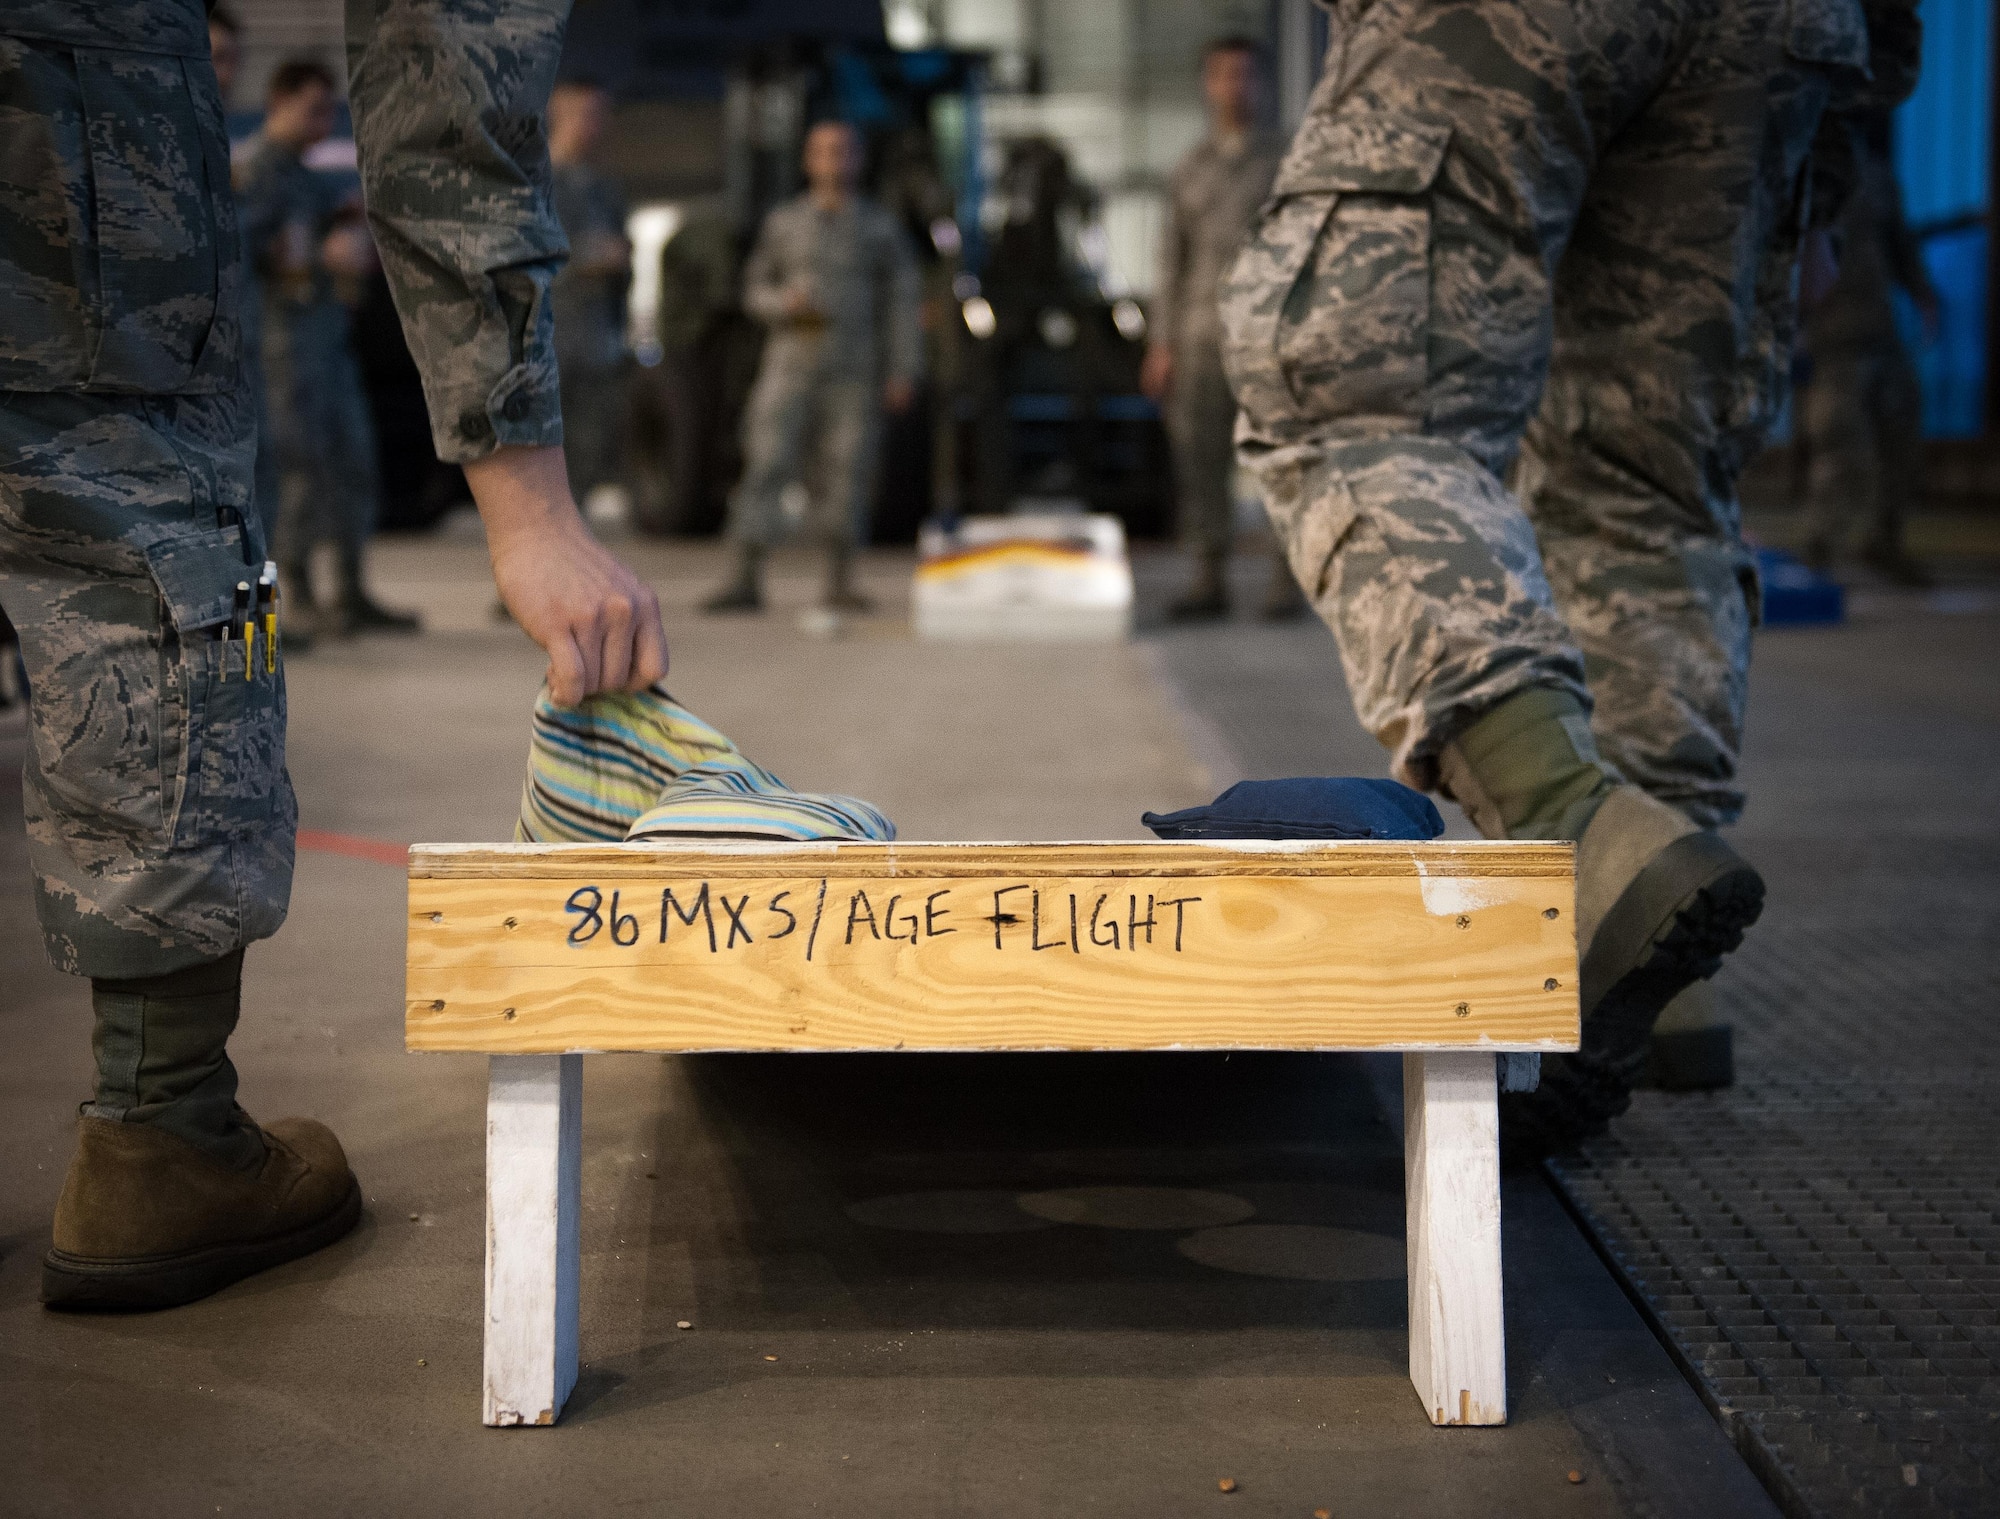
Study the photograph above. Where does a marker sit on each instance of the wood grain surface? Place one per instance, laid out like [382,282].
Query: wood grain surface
[990,947]
[1120,857]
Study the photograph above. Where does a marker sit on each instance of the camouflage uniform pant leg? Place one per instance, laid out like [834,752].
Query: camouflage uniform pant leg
[1862,417]
[816,430]
[844,464]
[1391,321]
[353,469]
[160,818]
[1674,326]
[778,426]
[288,452]
[1201,423]
[323,431]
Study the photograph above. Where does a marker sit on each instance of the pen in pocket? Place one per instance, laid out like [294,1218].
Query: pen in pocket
[267,609]
[241,626]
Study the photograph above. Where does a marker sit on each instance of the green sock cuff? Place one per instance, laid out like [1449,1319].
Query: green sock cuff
[1534,759]
[1516,715]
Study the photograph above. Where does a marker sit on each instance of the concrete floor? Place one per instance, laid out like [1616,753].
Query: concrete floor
[1021,1285]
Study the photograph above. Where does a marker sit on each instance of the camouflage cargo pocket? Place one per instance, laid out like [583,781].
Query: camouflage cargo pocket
[231,780]
[236,779]
[1328,307]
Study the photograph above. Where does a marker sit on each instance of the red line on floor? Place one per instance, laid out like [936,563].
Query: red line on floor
[381,851]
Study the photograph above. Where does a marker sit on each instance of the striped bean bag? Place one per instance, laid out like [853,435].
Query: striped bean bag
[641,766]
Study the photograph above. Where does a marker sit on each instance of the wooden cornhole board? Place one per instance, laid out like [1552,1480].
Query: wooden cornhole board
[1462,956]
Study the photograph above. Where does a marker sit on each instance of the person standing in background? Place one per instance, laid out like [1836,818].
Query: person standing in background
[311,253]
[1862,411]
[833,279]
[1212,202]
[589,294]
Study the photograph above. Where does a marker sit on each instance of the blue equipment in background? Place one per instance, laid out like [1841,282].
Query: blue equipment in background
[1796,596]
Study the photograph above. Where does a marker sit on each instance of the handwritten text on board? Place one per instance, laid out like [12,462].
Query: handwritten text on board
[1016,916]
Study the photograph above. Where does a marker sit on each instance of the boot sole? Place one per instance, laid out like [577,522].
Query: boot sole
[1575,1101]
[166,1281]
[1688,908]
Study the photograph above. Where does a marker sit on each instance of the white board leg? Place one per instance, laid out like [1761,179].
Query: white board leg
[1451,1191]
[534,1181]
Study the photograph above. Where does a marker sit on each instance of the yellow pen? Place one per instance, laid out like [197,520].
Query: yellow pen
[267,596]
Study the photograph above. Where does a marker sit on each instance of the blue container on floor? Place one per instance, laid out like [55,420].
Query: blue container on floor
[1795,596]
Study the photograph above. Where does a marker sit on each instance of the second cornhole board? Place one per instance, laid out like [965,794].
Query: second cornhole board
[1047,577]
[1453,953]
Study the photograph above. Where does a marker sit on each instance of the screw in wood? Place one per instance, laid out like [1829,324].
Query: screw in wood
[1549,985]
[1464,1010]
[507,1013]
[1464,921]
[1551,912]
[511,923]
[438,1006]
[437,917]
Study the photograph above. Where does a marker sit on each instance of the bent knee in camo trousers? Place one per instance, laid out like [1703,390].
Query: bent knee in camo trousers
[1518,309]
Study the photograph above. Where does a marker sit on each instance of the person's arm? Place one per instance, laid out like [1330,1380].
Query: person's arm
[768,293]
[1157,371]
[605,253]
[598,622]
[449,99]
[260,209]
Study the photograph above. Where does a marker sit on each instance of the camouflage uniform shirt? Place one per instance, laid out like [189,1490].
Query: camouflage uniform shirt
[855,267]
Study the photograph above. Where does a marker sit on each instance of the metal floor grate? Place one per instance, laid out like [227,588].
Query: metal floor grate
[1821,1245]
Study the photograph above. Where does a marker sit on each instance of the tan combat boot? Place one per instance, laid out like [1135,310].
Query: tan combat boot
[148,1220]
[1659,901]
